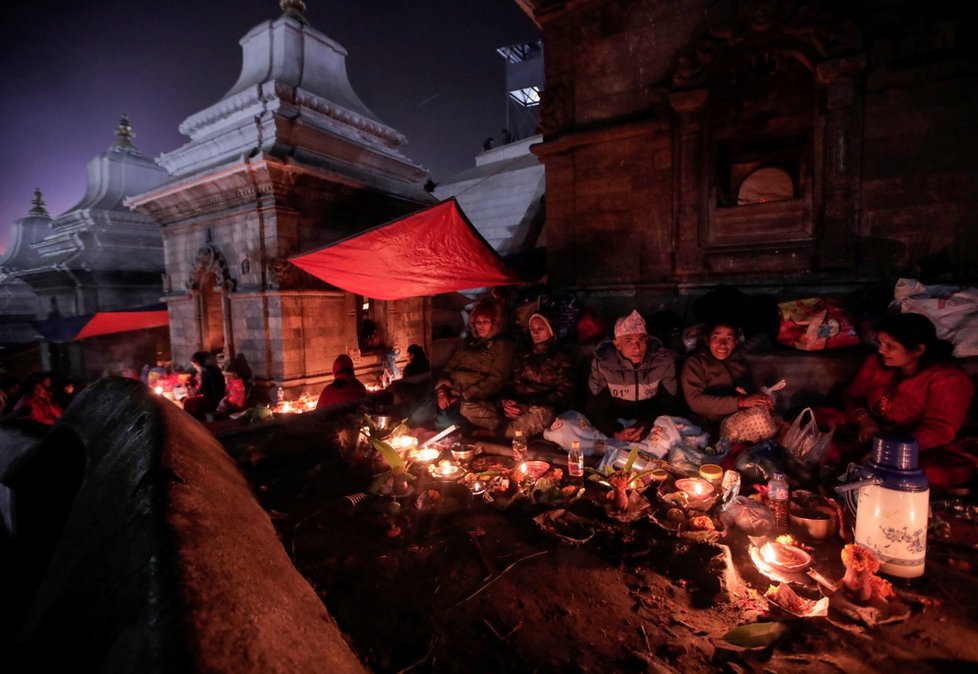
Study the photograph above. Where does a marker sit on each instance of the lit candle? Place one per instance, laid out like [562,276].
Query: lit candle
[159,390]
[445,467]
[698,492]
[403,443]
[523,473]
[425,455]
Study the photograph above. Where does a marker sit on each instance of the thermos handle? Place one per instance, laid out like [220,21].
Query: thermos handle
[855,478]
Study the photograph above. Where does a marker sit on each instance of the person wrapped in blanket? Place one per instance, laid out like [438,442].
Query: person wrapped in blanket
[540,387]
[911,387]
[478,371]
[716,378]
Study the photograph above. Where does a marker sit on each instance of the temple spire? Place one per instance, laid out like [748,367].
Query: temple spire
[124,134]
[38,202]
[293,8]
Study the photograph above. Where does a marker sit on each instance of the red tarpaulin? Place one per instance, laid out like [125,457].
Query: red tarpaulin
[71,328]
[428,253]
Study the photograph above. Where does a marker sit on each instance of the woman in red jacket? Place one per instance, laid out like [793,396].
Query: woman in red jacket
[912,387]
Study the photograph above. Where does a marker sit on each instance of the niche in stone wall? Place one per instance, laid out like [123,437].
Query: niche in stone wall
[371,325]
[762,112]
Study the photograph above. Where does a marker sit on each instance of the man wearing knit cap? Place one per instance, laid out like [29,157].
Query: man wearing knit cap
[632,381]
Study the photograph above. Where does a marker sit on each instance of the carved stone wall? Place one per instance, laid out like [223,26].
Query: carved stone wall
[658,111]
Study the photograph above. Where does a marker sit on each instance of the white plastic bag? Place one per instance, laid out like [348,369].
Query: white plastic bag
[952,310]
[804,439]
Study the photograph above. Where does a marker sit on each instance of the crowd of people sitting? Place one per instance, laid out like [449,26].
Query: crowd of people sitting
[502,380]
[40,398]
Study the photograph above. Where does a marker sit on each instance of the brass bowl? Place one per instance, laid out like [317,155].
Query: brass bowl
[816,523]
[466,452]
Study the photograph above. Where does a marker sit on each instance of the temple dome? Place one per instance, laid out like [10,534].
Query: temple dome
[24,233]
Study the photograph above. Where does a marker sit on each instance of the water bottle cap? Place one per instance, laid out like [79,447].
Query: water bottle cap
[518,433]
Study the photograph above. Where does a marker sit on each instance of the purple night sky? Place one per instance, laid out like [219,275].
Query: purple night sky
[427,68]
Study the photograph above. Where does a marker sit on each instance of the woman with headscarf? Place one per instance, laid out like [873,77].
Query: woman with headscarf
[541,386]
[345,386]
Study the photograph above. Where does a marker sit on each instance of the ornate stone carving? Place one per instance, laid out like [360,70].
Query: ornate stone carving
[731,24]
[282,274]
[209,260]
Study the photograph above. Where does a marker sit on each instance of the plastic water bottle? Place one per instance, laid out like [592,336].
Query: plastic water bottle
[777,496]
[575,460]
[519,447]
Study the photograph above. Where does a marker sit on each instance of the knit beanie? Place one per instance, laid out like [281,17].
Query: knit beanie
[632,324]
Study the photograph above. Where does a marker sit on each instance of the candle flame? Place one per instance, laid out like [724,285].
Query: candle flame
[768,553]
[159,390]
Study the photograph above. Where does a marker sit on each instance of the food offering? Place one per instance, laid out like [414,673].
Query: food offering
[443,499]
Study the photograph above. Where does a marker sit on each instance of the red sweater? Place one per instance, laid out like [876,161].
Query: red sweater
[930,406]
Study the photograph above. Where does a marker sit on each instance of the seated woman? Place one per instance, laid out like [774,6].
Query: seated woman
[418,367]
[911,387]
[715,379]
[541,387]
[210,387]
[345,385]
[477,371]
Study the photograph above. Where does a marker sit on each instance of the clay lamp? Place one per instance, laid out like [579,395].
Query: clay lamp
[699,493]
[403,443]
[426,455]
[445,468]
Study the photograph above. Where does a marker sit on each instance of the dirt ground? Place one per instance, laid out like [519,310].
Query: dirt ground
[485,590]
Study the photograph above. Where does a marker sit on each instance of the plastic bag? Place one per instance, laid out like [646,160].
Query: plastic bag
[749,516]
[805,440]
[816,323]
[753,424]
[571,426]
[952,310]
[687,459]
[758,463]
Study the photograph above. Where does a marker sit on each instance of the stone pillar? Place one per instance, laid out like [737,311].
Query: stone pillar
[200,311]
[228,327]
[841,130]
[689,162]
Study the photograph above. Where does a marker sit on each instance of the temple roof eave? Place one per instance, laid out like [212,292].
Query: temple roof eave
[217,186]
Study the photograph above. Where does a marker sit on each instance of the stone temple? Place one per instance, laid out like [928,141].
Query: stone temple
[97,256]
[287,161]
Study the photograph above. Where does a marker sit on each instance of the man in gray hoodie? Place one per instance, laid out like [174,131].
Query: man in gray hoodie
[632,381]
